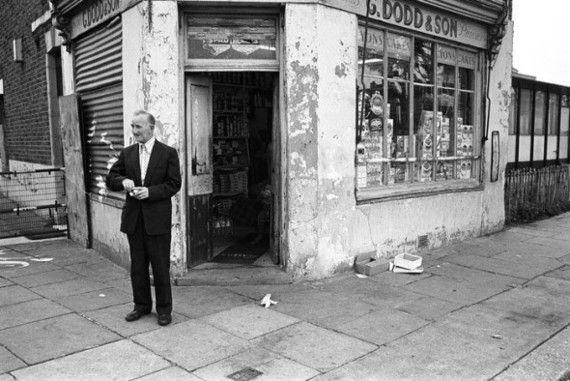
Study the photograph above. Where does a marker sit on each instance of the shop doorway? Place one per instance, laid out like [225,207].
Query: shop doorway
[232,130]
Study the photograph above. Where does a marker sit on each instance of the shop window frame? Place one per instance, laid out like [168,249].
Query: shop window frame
[388,192]
[216,64]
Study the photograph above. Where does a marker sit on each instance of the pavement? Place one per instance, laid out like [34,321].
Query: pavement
[490,308]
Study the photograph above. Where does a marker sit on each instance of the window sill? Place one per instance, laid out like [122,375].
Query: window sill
[413,190]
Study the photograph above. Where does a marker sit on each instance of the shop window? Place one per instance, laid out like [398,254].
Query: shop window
[553,120]
[539,111]
[525,111]
[416,113]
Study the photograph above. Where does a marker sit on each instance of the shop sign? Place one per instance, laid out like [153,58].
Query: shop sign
[96,12]
[418,18]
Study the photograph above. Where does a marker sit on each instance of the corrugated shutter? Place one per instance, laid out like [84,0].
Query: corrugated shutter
[99,81]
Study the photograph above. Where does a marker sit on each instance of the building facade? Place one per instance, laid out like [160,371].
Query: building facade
[375,127]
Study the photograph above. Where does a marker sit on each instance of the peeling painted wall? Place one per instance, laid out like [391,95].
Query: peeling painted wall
[325,228]
[152,80]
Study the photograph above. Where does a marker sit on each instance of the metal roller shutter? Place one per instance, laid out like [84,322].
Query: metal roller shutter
[99,81]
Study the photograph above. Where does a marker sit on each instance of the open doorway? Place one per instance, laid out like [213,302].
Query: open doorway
[231,187]
[242,161]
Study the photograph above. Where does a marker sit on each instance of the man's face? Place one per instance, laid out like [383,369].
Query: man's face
[142,129]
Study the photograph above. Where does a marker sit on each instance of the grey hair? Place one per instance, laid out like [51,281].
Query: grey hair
[149,117]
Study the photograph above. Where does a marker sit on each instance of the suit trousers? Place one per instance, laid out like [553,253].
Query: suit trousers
[154,250]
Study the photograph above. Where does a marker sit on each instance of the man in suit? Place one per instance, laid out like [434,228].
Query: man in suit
[149,171]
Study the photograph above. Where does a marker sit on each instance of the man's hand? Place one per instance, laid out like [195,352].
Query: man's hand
[140,193]
[128,184]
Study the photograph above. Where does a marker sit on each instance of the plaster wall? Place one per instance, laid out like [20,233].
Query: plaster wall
[324,226]
[152,81]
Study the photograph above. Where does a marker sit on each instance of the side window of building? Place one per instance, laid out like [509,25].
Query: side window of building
[417,108]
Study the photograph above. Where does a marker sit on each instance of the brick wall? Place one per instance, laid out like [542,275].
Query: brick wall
[26,122]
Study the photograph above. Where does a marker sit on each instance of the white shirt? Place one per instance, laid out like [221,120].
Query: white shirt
[144,156]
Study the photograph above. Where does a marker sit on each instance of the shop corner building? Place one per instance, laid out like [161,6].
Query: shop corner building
[387,125]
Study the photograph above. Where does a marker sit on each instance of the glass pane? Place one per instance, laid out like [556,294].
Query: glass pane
[525,111]
[464,169]
[465,107]
[446,76]
[227,38]
[565,116]
[373,59]
[553,122]
[539,109]
[398,173]
[424,125]
[466,79]
[399,53]
[446,63]
[423,68]
[398,100]
[445,115]
[444,170]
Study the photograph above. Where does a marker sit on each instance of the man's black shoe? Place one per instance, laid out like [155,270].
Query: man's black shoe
[164,319]
[135,315]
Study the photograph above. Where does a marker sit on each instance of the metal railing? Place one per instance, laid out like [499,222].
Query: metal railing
[33,203]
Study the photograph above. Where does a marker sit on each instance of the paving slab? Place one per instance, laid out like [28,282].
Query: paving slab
[432,353]
[462,274]
[548,362]
[515,334]
[381,326]
[429,308]
[5,282]
[68,288]
[173,373]
[459,293]
[54,337]
[99,271]
[192,344]
[122,360]
[30,311]
[557,242]
[249,321]
[562,273]
[95,300]
[397,280]
[314,347]
[510,268]
[320,307]
[33,268]
[271,366]
[6,377]
[43,278]
[16,294]
[202,301]
[113,318]
[369,292]
[534,229]
[8,361]
[536,303]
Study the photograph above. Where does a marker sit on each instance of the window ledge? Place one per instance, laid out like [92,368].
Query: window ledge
[406,191]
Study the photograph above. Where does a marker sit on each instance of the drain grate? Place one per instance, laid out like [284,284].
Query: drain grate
[246,374]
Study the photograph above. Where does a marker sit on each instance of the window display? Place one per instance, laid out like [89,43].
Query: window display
[416,114]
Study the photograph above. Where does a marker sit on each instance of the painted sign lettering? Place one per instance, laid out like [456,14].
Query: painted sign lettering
[98,10]
[419,18]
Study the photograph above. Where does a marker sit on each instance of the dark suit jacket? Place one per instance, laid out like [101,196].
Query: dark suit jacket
[162,179]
